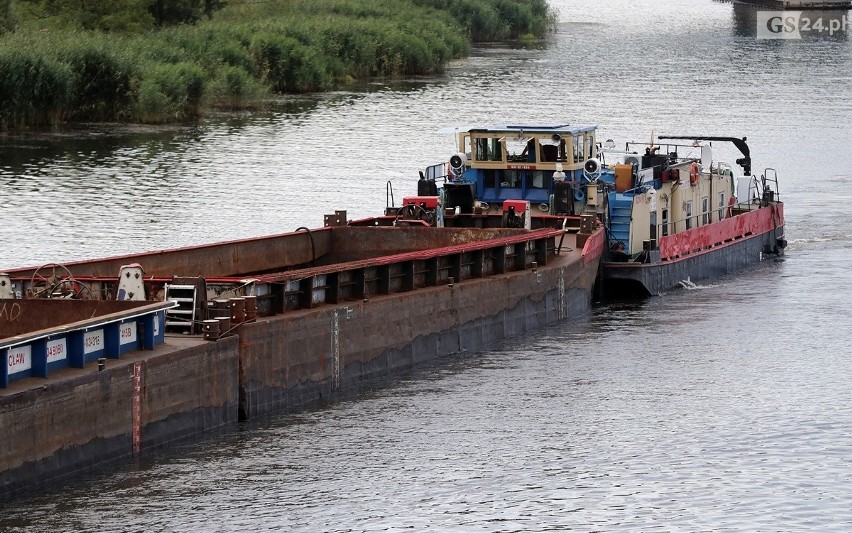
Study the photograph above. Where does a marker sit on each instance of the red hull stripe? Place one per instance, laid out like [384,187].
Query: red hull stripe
[594,247]
[720,233]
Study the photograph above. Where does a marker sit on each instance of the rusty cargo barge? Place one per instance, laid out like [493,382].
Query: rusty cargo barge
[106,359]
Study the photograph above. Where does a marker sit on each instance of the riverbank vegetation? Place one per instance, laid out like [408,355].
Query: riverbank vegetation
[159,61]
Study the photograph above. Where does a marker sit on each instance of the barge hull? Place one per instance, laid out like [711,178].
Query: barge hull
[621,279]
[420,305]
[289,363]
[73,423]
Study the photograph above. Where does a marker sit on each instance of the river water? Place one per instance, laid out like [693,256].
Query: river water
[722,407]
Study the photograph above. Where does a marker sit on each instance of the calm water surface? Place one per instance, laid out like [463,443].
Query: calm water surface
[725,407]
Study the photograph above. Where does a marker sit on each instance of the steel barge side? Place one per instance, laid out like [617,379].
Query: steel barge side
[334,307]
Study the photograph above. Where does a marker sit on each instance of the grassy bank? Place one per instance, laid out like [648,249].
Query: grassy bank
[249,50]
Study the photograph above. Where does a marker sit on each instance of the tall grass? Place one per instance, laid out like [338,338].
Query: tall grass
[492,20]
[102,81]
[8,20]
[249,51]
[171,92]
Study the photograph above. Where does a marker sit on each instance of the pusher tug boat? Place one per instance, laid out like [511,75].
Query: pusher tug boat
[673,220]
[672,215]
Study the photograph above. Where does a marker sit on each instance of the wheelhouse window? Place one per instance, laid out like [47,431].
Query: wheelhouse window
[688,214]
[705,210]
[488,149]
[721,205]
[553,150]
[520,150]
[665,224]
[579,148]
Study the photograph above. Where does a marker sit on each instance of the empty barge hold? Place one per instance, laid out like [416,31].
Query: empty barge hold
[238,329]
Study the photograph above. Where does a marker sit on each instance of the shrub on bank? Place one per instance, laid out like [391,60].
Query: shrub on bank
[34,88]
[171,92]
[8,20]
[102,85]
[287,65]
[492,20]
[234,88]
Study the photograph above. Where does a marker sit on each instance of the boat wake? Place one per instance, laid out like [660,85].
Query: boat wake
[821,239]
[690,285]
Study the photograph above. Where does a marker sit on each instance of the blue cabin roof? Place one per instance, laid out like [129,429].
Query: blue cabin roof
[536,128]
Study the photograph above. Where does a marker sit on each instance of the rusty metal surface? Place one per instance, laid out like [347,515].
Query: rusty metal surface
[593,246]
[229,258]
[491,219]
[354,243]
[276,252]
[624,279]
[65,424]
[288,361]
[295,359]
[390,260]
[443,242]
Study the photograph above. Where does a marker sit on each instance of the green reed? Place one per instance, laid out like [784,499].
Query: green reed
[246,52]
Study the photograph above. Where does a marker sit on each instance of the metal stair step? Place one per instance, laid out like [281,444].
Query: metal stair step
[183,316]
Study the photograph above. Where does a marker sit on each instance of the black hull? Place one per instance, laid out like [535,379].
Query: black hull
[650,279]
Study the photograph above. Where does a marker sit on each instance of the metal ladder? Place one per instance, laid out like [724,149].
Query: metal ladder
[182,317]
[620,217]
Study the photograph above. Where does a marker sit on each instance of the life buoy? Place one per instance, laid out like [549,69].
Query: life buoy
[694,174]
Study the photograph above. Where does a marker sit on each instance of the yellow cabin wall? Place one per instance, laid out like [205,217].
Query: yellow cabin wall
[674,196]
[640,229]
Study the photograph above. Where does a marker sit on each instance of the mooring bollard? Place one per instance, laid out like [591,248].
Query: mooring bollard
[224,326]
[101,363]
[218,308]
[210,328]
[251,308]
[238,310]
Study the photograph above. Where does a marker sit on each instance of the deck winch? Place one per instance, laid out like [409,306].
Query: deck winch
[516,214]
[418,209]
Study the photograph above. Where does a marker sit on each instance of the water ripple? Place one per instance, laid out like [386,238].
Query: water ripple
[716,409]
